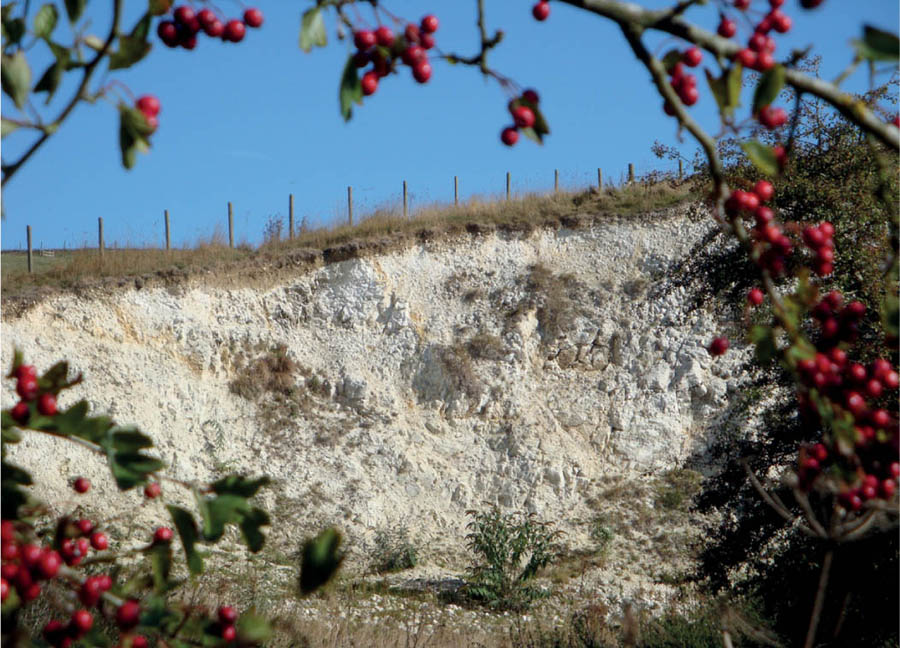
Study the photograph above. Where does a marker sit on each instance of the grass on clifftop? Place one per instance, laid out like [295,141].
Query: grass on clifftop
[385,229]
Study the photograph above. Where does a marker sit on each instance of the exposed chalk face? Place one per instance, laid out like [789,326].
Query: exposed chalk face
[509,369]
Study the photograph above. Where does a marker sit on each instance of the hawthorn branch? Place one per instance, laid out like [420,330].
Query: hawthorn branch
[487,44]
[668,20]
[777,506]
[10,170]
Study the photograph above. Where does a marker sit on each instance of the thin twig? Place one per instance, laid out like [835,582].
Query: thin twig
[820,600]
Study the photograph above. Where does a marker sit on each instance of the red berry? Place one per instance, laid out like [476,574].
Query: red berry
[855,403]
[782,23]
[49,564]
[727,28]
[138,641]
[184,14]
[253,17]
[541,10]
[719,346]
[692,56]
[509,135]
[384,36]
[25,371]
[20,412]
[881,418]
[30,553]
[869,492]
[27,388]
[99,541]
[7,531]
[9,571]
[887,488]
[188,42]
[229,633]
[763,215]
[85,526]
[874,388]
[764,190]
[689,96]
[755,296]
[82,485]
[128,614]
[746,57]
[4,589]
[775,3]
[531,96]
[427,41]
[412,33]
[31,592]
[895,469]
[227,615]
[148,104]
[364,39]
[838,356]
[422,71]
[757,42]
[820,452]
[206,16]
[523,116]
[668,109]
[827,229]
[151,490]
[742,5]
[412,54]
[369,83]
[890,380]
[215,29]
[430,24]
[9,551]
[234,31]
[855,310]
[765,62]
[83,621]
[90,592]
[162,534]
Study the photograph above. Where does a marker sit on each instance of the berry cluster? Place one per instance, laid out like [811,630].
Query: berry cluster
[685,85]
[819,239]
[227,616]
[383,49]
[186,25]
[541,10]
[33,398]
[149,107]
[758,55]
[772,118]
[522,109]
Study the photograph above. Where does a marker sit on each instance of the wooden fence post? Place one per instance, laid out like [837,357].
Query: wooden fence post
[555,180]
[680,170]
[507,185]
[599,179]
[230,225]
[28,235]
[455,190]
[350,205]
[100,228]
[405,210]
[630,173]
[168,240]
[291,216]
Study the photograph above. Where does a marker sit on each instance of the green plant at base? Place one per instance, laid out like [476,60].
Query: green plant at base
[510,549]
[393,550]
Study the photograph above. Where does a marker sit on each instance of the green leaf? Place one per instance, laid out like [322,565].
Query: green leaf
[320,560]
[877,45]
[16,475]
[16,77]
[131,50]
[187,531]
[10,434]
[351,89]
[726,89]
[7,127]
[130,469]
[764,339]
[890,314]
[219,511]
[161,561]
[239,485]
[250,525]
[142,28]
[672,57]
[770,84]
[133,132]
[68,422]
[74,9]
[13,30]
[130,439]
[50,80]
[159,7]
[253,629]
[762,156]
[540,127]
[733,86]
[45,20]
[312,30]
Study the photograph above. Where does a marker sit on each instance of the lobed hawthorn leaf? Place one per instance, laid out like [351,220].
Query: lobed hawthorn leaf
[239,485]
[312,30]
[133,132]
[15,75]
[45,20]
[350,90]
[250,524]
[253,629]
[10,433]
[74,9]
[187,531]
[320,560]
[218,511]
[159,7]
[877,45]
[18,360]
[764,339]
[129,439]
[726,89]
[672,57]
[770,84]
[69,421]
[142,28]
[762,156]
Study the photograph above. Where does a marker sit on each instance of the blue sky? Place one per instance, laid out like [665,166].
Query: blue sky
[255,121]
